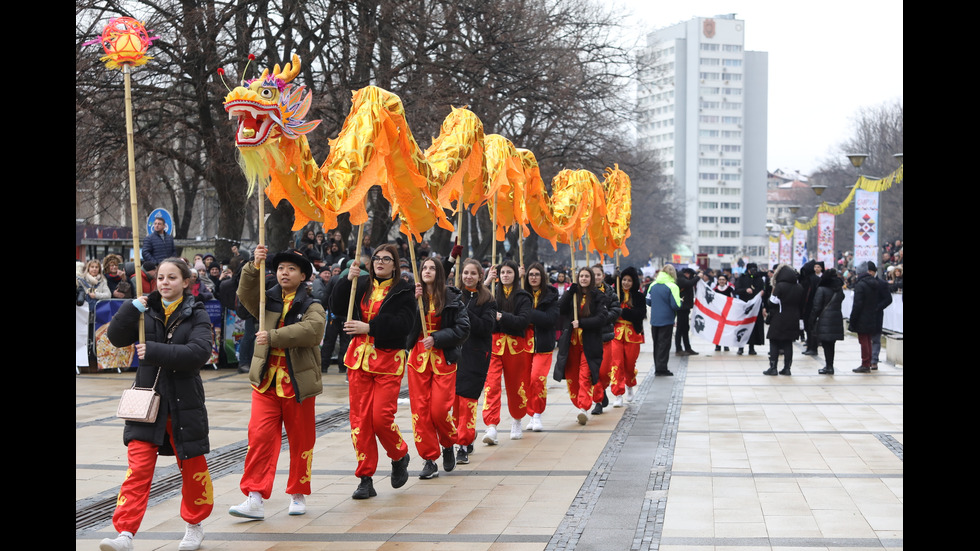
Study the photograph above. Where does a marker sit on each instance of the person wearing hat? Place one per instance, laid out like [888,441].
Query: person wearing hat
[285,377]
[871,297]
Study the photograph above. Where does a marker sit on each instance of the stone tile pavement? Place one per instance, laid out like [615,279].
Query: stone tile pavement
[716,457]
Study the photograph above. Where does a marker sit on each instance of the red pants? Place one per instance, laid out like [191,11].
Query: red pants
[599,390]
[373,404]
[465,411]
[578,377]
[431,396]
[623,370]
[197,494]
[864,340]
[516,370]
[537,398]
[270,413]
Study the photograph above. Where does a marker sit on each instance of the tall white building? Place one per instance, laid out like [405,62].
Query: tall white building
[702,108]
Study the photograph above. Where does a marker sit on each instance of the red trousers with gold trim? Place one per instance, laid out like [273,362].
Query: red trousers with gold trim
[578,378]
[537,397]
[431,397]
[516,371]
[197,493]
[373,404]
[624,359]
[270,413]
[465,411]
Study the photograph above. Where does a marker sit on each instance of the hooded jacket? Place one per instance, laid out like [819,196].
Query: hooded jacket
[826,318]
[664,299]
[474,359]
[785,305]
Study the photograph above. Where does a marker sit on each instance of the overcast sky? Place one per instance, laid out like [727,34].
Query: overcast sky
[826,60]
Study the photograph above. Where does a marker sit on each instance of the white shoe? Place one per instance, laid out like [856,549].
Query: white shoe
[122,542]
[515,430]
[583,417]
[297,505]
[535,423]
[192,538]
[629,394]
[617,402]
[252,508]
[490,436]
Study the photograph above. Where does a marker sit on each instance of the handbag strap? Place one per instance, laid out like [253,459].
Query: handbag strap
[157,378]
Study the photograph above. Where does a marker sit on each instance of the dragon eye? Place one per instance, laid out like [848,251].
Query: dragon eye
[266,93]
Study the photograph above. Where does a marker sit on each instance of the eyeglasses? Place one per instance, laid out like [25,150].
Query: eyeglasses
[383,259]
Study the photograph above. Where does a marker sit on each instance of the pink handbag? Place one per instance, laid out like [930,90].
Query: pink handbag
[140,404]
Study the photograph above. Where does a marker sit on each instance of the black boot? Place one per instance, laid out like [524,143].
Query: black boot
[826,371]
[365,489]
[785,370]
[399,472]
[771,370]
[597,409]
[605,399]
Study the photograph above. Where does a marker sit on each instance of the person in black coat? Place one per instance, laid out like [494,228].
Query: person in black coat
[871,297]
[613,311]
[810,275]
[785,309]
[178,342]
[628,336]
[432,367]
[474,358]
[543,320]
[579,357]
[748,286]
[687,279]
[723,287]
[826,320]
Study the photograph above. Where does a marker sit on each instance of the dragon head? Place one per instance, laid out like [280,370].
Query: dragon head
[270,107]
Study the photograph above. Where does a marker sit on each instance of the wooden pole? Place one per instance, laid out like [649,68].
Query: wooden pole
[493,232]
[134,212]
[618,293]
[459,226]
[261,265]
[357,259]
[520,250]
[415,274]
[571,247]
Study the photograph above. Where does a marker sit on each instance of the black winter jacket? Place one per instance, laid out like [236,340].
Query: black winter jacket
[591,332]
[455,322]
[474,359]
[179,349]
[784,324]
[826,319]
[391,326]
[544,318]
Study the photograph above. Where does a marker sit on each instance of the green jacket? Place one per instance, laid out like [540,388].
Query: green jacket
[300,337]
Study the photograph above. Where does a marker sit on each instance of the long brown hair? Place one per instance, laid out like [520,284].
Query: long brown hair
[438,287]
[505,303]
[482,293]
[586,310]
[540,268]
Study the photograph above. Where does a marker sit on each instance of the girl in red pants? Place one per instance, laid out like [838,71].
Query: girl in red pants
[543,317]
[178,342]
[580,347]
[629,336]
[432,367]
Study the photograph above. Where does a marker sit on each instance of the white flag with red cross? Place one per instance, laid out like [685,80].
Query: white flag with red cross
[723,320]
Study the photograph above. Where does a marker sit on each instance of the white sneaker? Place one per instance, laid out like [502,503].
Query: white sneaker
[583,417]
[617,402]
[629,394]
[515,430]
[535,423]
[490,436]
[252,508]
[192,538]
[297,505]
[122,542]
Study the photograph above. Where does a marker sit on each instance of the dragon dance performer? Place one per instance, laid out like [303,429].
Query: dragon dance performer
[629,336]
[177,344]
[543,319]
[474,359]
[580,347]
[512,346]
[285,377]
[606,375]
[375,360]
[432,367]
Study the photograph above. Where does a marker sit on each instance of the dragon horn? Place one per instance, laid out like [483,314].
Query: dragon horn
[289,72]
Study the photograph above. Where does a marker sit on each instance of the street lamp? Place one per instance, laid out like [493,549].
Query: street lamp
[857,159]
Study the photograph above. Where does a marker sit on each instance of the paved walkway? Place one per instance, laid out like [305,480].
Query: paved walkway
[718,456]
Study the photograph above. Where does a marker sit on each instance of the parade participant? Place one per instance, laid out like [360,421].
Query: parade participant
[580,347]
[785,307]
[177,343]
[285,378]
[543,318]
[432,367]
[384,310]
[510,353]
[629,336]
[748,286]
[474,359]
[606,377]
[723,288]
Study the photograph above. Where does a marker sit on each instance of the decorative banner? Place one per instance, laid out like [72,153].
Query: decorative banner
[865,226]
[773,253]
[723,320]
[785,249]
[825,238]
[799,248]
